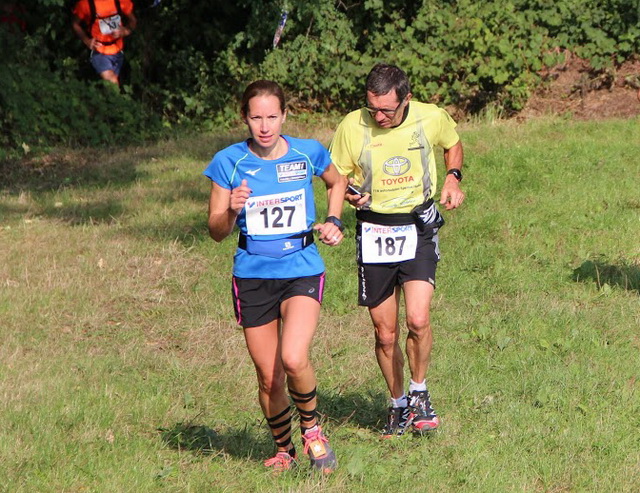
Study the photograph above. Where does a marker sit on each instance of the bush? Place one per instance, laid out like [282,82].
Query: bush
[464,53]
[40,107]
[190,61]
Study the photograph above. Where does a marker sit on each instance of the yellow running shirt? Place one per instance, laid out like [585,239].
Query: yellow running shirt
[396,166]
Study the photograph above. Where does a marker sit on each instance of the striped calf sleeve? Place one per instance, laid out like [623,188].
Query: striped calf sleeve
[282,422]
[307,415]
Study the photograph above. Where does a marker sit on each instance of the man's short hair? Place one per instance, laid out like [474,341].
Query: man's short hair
[383,78]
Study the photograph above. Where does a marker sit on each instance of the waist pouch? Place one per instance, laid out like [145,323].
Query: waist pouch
[276,248]
[426,217]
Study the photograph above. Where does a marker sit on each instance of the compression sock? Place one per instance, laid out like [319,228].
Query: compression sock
[307,416]
[281,430]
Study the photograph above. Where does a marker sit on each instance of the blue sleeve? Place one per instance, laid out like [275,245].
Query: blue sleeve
[219,171]
[321,158]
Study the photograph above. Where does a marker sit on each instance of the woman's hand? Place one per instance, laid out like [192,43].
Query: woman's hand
[330,234]
[238,197]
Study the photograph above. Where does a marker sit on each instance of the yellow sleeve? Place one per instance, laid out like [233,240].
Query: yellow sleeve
[448,135]
[341,149]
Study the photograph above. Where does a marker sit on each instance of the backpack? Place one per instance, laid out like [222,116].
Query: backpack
[92,8]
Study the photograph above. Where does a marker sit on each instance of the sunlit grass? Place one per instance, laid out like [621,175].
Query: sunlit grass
[122,368]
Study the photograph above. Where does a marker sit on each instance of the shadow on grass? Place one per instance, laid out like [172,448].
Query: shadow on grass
[84,205]
[82,171]
[362,410]
[202,439]
[72,169]
[188,229]
[7,210]
[626,276]
[92,212]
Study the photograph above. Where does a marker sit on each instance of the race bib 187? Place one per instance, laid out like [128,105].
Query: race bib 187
[386,244]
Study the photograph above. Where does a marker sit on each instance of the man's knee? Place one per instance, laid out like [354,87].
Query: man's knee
[109,75]
[419,325]
[386,336]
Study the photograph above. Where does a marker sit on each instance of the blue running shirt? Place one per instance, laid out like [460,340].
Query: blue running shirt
[281,203]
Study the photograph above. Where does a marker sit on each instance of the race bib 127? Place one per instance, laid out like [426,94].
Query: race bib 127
[276,214]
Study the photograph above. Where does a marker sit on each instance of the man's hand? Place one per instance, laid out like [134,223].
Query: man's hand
[356,200]
[92,43]
[121,32]
[451,196]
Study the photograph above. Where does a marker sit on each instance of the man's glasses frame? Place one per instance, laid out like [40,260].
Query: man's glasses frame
[386,112]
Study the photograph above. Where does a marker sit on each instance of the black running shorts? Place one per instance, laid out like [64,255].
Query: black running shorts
[257,302]
[376,282]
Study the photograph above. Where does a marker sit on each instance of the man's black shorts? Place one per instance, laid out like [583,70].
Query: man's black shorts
[376,282]
[257,301]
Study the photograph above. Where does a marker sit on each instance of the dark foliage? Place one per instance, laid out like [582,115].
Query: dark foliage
[188,61]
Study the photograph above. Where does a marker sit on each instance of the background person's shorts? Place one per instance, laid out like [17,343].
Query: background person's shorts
[257,301]
[102,63]
[376,282]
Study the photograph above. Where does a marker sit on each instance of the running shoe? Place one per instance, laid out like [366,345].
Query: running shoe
[282,461]
[316,445]
[423,417]
[397,422]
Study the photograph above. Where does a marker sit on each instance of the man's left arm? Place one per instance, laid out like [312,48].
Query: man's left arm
[132,22]
[452,196]
[127,27]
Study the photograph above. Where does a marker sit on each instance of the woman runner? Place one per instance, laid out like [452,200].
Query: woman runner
[264,186]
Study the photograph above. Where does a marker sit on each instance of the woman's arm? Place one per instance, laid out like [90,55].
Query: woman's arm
[336,186]
[224,207]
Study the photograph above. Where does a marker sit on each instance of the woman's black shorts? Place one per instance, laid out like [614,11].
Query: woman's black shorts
[257,301]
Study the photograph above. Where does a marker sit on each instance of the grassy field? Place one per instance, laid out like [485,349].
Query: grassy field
[122,370]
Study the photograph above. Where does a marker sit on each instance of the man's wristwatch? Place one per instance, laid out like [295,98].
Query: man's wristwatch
[455,172]
[336,221]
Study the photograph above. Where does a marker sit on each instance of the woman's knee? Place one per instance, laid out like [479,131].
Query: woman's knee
[273,384]
[295,365]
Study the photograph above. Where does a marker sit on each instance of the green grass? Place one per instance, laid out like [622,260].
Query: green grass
[121,367]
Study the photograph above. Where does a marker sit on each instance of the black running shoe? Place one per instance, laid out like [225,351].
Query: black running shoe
[397,422]
[422,415]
